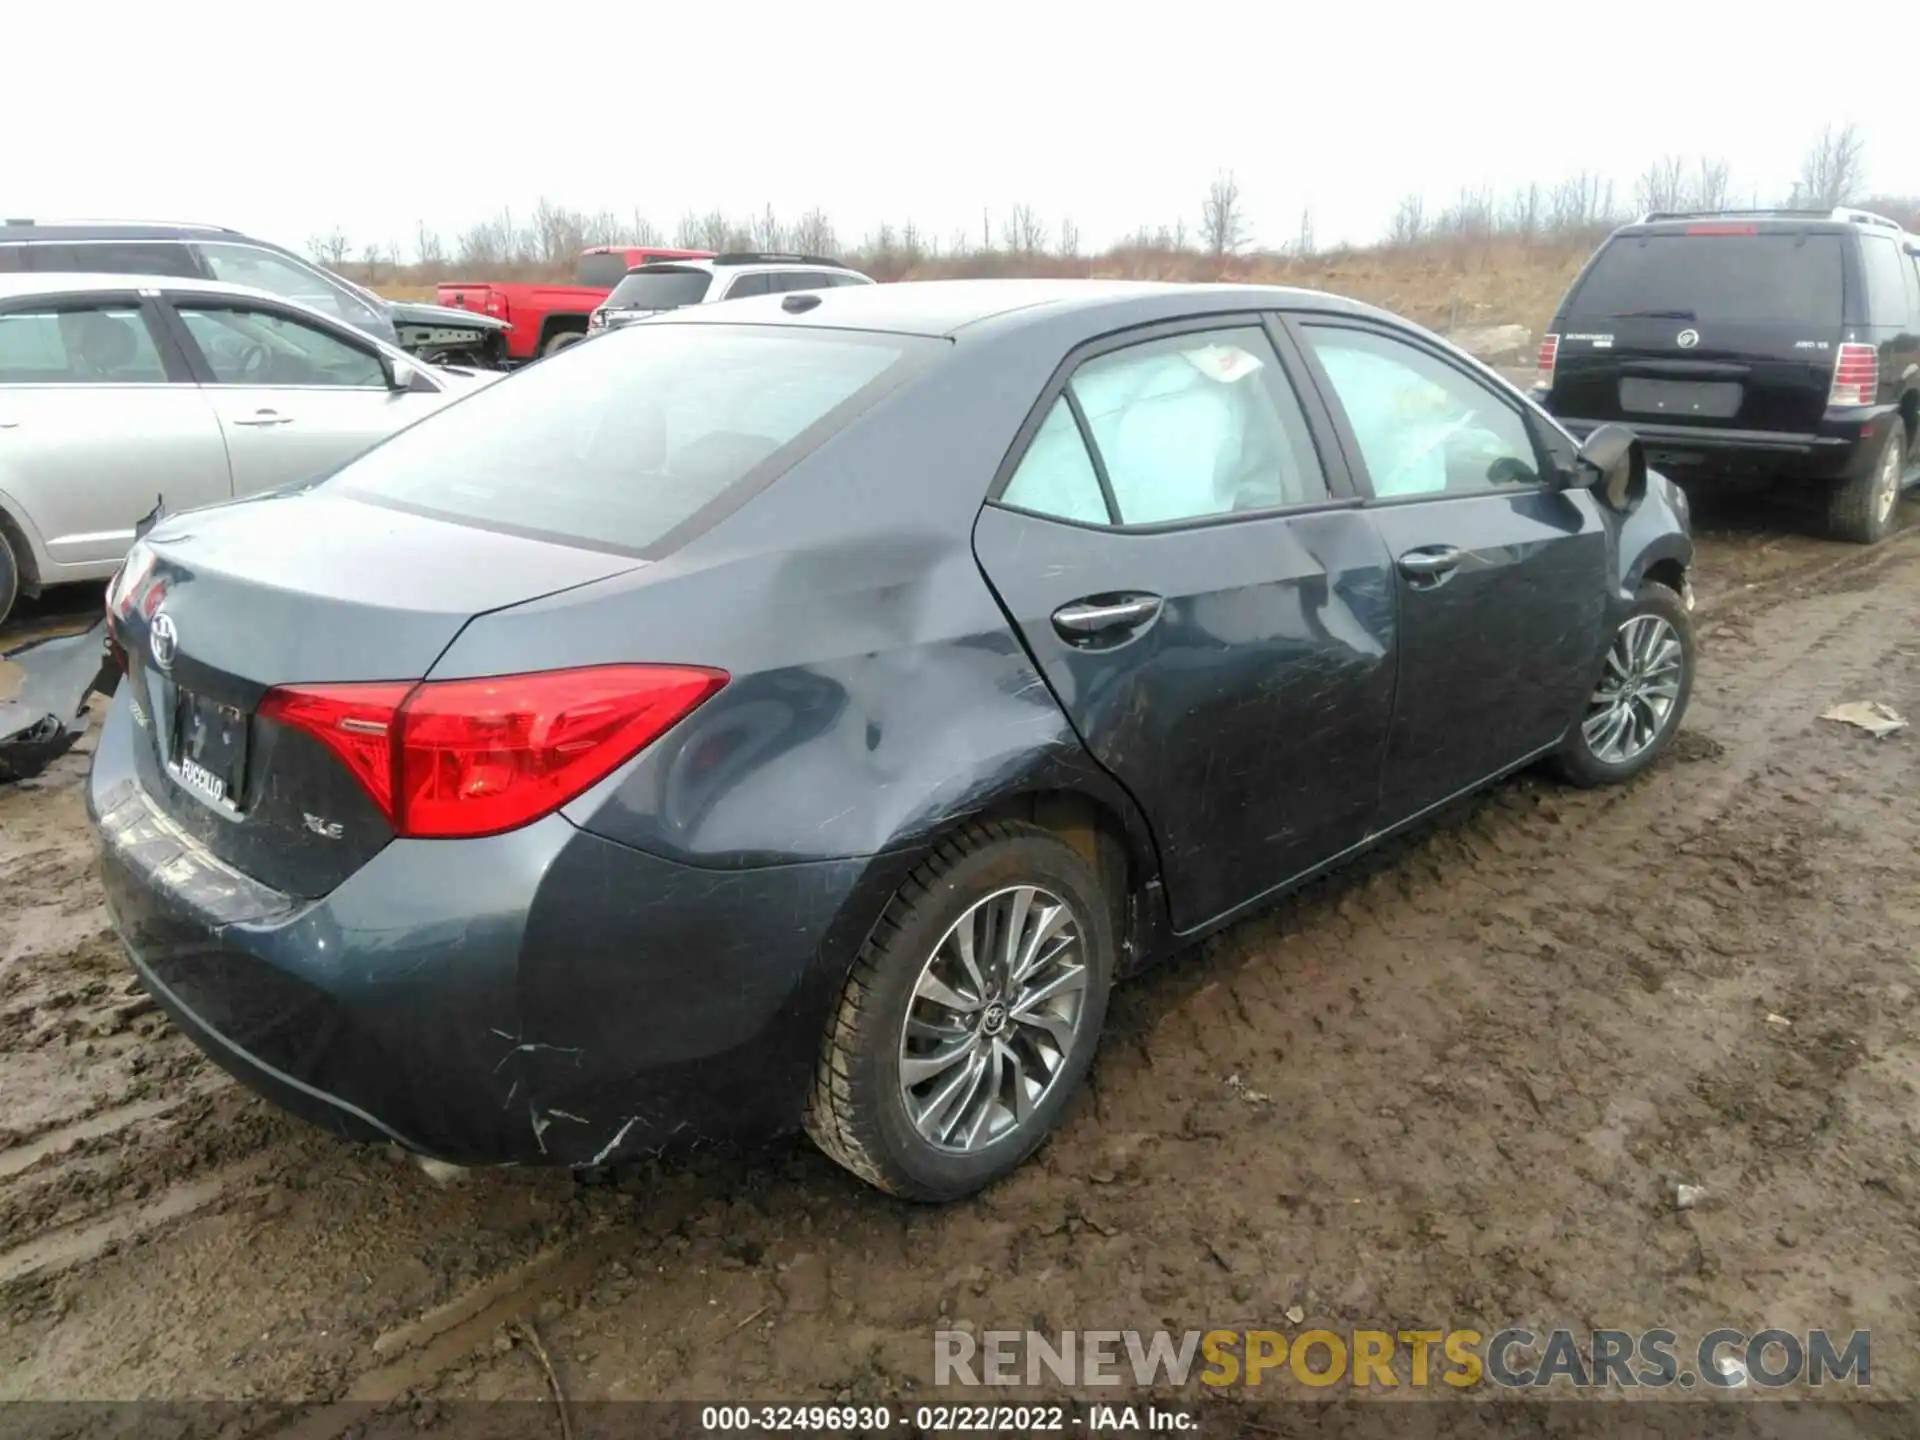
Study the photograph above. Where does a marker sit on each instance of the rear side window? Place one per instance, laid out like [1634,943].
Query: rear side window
[600,272]
[660,289]
[90,345]
[117,257]
[617,444]
[1782,278]
[1887,271]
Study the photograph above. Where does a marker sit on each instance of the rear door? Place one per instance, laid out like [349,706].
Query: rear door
[1725,325]
[1207,603]
[294,399]
[99,418]
[1502,583]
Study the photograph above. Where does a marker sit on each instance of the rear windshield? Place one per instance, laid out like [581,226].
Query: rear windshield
[1784,277]
[602,272]
[660,289]
[618,441]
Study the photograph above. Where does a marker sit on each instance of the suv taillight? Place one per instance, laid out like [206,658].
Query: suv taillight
[1856,376]
[1549,352]
[462,758]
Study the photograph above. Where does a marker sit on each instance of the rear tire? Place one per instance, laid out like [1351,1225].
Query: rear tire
[1010,1051]
[9,577]
[556,343]
[1622,729]
[1863,510]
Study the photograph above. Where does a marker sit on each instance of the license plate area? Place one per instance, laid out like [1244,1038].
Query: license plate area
[1704,399]
[209,749]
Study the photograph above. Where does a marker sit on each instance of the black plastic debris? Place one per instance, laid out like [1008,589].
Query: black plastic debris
[44,689]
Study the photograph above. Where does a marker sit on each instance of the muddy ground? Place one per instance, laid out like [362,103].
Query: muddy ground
[1453,1088]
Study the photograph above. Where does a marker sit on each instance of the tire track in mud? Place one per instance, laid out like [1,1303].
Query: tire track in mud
[410,1281]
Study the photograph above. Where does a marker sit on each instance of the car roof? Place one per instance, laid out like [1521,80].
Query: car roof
[14,287]
[711,265]
[109,230]
[946,307]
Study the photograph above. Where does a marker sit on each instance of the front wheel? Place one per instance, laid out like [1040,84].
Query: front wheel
[1634,709]
[9,578]
[969,1018]
[1863,510]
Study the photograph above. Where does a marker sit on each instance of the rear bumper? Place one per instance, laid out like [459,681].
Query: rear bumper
[1843,446]
[542,997]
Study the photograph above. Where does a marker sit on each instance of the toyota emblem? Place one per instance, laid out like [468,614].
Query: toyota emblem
[1687,339]
[163,640]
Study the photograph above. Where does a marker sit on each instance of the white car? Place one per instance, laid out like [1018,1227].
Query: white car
[118,392]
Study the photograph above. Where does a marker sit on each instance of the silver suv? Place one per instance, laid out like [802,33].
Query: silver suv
[669,284]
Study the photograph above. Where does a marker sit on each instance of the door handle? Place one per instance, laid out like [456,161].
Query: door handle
[1431,563]
[265,417]
[1086,618]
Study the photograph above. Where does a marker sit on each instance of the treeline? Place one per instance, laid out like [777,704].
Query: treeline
[1573,213]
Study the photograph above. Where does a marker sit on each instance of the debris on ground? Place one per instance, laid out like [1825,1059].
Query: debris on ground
[44,689]
[1780,1020]
[1686,1197]
[1246,1092]
[1871,716]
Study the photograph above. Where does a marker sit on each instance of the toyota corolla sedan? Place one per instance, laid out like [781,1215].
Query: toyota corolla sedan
[801,712]
[117,391]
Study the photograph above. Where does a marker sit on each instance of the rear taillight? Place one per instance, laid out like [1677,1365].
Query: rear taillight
[1856,376]
[1549,352]
[461,758]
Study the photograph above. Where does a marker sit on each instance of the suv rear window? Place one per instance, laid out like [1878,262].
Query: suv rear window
[617,443]
[1780,277]
[660,289]
[601,272]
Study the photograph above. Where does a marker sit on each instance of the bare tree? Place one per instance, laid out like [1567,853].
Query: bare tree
[1579,205]
[1023,233]
[1712,184]
[812,233]
[1522,216]
[1069,238]
[429,250]
[332,248]
[1833,170]
[1409,223]
[881,242]
[643,231]
[1303,243]
[913,243]
[1222,225]
[768,232]
[1663,185]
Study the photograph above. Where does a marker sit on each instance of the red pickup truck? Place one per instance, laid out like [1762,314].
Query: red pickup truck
[546,318]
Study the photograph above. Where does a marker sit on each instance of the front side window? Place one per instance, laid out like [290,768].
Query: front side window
[745,285]
[616,444]
[1423,427]
[258,347]
[1187,427]
[86,345]
[285,277]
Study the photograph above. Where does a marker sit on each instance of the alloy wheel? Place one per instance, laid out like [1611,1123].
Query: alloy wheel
[1886,491]
[993,1018]
[1633,703]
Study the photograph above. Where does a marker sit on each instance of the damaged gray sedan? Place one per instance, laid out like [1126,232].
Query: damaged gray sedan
[803,710]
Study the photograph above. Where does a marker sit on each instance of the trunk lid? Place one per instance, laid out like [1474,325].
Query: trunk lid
[333,590]
[1718,326]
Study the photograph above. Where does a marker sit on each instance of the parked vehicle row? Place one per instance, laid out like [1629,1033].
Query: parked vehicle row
[1764,344]
[118,391]
[546,318]
[436,333]
[834,694]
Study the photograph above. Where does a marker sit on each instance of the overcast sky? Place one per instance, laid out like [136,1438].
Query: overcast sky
[373,117]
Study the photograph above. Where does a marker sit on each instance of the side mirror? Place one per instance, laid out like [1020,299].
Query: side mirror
[1613,459]
[405,375]
[1913,247]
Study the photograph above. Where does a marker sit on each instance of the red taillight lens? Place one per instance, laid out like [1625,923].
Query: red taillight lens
[1723,229]
[1856,376]
[355,722]
[1549,352]
[462,758]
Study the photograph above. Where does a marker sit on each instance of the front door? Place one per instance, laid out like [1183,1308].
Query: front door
[1214,617]
[1502,582]
[295,400]
[98,422]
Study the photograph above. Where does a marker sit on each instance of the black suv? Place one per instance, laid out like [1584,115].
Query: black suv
[1752,342]
[435,333]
